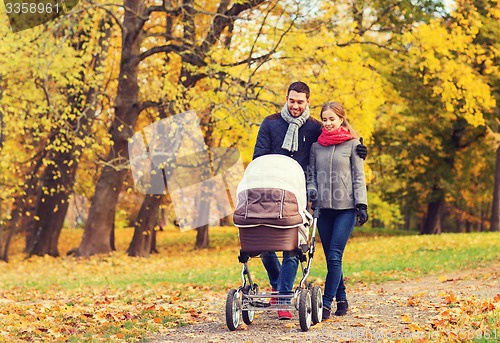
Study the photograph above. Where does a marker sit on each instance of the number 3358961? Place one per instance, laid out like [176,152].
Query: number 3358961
[31,7]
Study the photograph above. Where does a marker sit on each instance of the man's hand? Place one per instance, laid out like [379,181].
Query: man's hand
[312,194]
[361,149]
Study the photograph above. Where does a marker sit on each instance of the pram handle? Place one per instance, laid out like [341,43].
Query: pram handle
[315,208]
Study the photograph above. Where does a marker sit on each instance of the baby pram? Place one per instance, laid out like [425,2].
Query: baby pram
[271,214]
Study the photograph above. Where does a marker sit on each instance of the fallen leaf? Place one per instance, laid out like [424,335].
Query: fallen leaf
[415,327]
[413,301]
[405,319]
[450,298]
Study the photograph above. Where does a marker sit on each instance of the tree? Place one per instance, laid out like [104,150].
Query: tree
[488,66]
[43,106]
[97,232]
[446,100]
[495,208]
[68,141]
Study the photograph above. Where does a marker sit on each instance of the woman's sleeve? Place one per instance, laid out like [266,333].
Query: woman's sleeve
[358,177]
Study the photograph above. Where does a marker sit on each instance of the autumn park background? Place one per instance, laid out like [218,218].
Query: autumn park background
[420,81]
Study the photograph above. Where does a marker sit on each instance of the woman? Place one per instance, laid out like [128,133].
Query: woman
[336,181]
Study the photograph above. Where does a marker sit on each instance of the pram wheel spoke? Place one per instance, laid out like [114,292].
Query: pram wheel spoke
[305,310]
[317,304]
[233,309]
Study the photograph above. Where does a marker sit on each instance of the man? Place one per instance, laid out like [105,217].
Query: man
[292,133]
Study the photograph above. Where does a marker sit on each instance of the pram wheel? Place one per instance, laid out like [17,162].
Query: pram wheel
[305,310]
[249,315]
[317,304]
[233,309]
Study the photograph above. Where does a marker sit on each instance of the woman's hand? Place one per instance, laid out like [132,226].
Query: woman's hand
[362,214]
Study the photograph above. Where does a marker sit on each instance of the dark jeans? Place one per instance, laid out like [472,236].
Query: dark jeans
[281,276]
[335,227]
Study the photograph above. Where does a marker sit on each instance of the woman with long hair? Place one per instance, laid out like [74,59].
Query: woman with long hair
[336,182]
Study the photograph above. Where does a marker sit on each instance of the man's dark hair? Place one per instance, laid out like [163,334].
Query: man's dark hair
[299,87]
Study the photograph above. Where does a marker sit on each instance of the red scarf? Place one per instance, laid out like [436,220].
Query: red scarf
[334,137]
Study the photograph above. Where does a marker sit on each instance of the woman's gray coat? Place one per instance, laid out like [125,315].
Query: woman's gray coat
[337,173]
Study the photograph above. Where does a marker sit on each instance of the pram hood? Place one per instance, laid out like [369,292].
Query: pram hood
[272,193]
[275,171]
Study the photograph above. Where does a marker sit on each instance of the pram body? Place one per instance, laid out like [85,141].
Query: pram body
[271,215]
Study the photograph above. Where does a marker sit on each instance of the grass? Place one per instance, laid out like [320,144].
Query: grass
[371,259]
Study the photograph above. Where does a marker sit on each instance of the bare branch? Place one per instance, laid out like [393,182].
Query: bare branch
[250,60]
[222,21]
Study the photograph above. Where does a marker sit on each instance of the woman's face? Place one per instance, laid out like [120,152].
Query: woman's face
[331,121]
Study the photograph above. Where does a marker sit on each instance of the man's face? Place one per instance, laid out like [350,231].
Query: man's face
[297,103]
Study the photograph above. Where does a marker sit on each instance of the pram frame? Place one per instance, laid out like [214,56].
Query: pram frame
[306,298]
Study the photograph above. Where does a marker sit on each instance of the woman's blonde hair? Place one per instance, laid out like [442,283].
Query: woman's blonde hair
[338,109]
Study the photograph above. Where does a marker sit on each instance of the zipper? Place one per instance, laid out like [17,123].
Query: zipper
[246,204]
[331,173]
[281,203]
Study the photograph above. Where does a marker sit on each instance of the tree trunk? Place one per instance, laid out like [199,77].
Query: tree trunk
[1,146]
[1,229]
[459,221]
[22,203]
[483,215]
[202,241]
[153,249]
[97,231]
[407,224]
[143,229]
[495,208]
[432,223]
[468,226]
[20,221]
[112,236]
[161,224]
[52,207]
[226,221]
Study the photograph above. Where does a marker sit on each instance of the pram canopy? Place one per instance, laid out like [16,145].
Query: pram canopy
[272,194]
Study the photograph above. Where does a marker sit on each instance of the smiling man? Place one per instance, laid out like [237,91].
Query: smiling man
[292,131]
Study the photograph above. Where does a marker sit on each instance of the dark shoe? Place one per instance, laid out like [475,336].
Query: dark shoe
[342,307]
[326,313]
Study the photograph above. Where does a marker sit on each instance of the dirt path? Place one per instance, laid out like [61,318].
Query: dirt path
[389,311]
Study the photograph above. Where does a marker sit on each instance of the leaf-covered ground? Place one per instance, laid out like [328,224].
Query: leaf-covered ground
[458,307]
[99,316]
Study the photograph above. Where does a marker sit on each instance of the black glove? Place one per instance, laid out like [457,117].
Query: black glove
[362,214]
[361,149]
[312,194]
